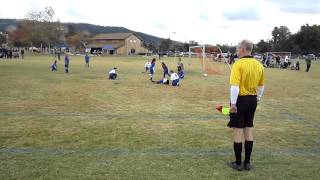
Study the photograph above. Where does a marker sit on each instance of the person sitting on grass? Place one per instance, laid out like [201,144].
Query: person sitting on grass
[87,59]
[174,77]
[54,66]
[296,66]
[66,63]
[113,74]
[165,69]
[162,81]
[286,62]
[152,68]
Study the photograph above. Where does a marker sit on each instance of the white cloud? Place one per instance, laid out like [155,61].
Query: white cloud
[206,21]
[294,6]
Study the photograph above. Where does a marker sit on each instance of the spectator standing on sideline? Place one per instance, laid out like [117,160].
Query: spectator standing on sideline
[66,63]
[22,53]
[308,62]
[87,60]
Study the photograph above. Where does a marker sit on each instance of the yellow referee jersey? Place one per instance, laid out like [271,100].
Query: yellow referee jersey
[248,74]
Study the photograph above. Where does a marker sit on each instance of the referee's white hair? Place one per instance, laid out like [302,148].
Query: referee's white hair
[246,44]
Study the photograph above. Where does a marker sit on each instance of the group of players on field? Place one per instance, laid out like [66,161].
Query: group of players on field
[150,67]
[174,77]
[284,62]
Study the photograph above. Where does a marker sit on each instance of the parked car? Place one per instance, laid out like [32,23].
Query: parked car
[258,56]
[34,49]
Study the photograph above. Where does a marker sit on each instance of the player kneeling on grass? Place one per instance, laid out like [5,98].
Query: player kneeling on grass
[247,86]
[162,81]
[174,77]
[180,72]
[296,66]
[113,74]
[54,66]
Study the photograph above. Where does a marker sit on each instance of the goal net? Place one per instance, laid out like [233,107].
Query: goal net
[271,58]
[207,54]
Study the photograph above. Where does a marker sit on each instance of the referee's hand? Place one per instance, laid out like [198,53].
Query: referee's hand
[233,108]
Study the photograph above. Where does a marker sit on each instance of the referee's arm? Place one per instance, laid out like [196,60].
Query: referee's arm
[235,78]
[260,87]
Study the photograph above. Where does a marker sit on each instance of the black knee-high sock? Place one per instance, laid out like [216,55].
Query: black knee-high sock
[237,147]
[248,149]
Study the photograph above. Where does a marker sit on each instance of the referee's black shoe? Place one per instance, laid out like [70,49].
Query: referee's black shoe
[235,166]
[247,166]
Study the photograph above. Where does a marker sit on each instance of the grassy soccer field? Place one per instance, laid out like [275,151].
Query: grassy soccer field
[83,126]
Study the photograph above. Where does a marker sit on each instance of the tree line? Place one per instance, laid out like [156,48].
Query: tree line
[305,41]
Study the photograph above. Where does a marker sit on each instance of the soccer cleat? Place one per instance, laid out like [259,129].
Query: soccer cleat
[247,166]
[235,166]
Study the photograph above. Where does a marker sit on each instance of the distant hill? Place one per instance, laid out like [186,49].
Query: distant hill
[5,23]
[93,29]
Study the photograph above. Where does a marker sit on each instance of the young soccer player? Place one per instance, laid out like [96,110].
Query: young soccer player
[165,70]
[152,68]
[162,81]
[286,62]
[113,74]
[180,72]
[296,66]
[66,63]
[180,64]
[174,77]
[54,66]
[87,59]
[147,66]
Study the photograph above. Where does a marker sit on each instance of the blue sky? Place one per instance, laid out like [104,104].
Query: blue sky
[206,21]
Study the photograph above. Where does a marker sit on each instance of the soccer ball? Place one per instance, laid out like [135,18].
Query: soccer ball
[205,75]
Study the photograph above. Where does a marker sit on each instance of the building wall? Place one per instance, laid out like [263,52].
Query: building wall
[121,51]
[132,42]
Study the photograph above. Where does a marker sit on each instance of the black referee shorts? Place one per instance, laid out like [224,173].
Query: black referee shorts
[246,107]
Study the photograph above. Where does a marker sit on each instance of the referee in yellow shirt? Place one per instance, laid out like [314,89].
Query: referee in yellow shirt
[247,86]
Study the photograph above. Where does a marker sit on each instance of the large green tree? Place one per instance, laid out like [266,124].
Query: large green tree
[3,38]
[307,39]
[281,39]
[262,46]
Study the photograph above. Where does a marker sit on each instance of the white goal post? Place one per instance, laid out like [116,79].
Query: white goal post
[204,55]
